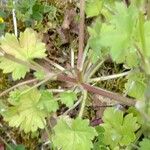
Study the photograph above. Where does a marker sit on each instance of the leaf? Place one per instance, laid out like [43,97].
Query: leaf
[93,7]
[18,71]
[24,9]
[40,75]
[73,134]
[136,113]
[68,98]
[94,41]
[120,38]
[29,110]
[145,144]
[119,129]
[27,48]
[48,102]
[3,107]
[136,85]
[147,37]
[99,144]
[16,147]
[31,44]
[128,129]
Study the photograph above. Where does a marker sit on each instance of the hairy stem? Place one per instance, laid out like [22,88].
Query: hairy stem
[48,77]
[83,103]
[18,85]
[96,90]
[114,76]
[111,95]
[81,35]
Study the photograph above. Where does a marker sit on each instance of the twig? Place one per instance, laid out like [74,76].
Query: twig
[56,90]
[114,76]
[14,20]
[17,85]
[81,35]
[72,58]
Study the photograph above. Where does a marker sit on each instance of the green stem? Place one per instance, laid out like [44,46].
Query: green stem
[83,103]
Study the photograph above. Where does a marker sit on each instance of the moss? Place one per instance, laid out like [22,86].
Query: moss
[115,85]
[4,83]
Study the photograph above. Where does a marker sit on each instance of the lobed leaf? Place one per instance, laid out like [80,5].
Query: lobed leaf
[29,109]
[73,134]
[119,129]
[26,48]
[68,98]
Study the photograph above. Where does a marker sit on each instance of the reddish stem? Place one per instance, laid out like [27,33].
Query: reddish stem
[81,35]
[99,91]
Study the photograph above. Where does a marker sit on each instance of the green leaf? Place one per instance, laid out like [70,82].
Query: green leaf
[29,110]
[136,85]
[31,45]
[99,144]
[73,134]
[27,48]
[93,7]
[119,129]
[40,75]
[68,98]
[147,37]
[145,144]
[47,102]
[18,71]
[120,38]
[128,129]
[24,9]
[16,147]
[137,114]
[2,27]
[3,107]
[2,14]
[94,41]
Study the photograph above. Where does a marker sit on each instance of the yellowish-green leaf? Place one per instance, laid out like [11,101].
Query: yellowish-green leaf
[29,110]
[93,7]
[73,134]
[68,98]
[26,48]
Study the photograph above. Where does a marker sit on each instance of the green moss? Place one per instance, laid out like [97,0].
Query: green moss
[4,83]
[115,85]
